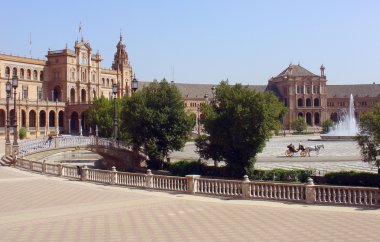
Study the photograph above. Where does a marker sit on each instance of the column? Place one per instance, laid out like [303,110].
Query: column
[69,126]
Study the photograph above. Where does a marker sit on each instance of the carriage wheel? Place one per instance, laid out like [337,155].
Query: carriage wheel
[288,153]
[303,153]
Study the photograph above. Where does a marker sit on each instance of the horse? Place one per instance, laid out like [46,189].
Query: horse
[315,148]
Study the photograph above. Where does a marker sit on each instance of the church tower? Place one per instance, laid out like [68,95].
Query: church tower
[124,70]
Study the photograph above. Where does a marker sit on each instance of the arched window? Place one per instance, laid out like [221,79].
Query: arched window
[108,82]
[300,102]
[316,119]
[41,75]
[14,72]
[35,75]
[28,74]
[308,102]
[7,71]
[300,115]
[103,82]
[316,102]
[308,118]
[22,73]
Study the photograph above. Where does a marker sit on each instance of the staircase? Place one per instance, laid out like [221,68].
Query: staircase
[6,160]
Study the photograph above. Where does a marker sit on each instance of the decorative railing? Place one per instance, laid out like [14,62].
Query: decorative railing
[36,145]
[346,195]
[277,191]
[193,184]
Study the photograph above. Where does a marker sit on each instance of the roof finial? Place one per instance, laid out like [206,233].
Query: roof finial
[121,36]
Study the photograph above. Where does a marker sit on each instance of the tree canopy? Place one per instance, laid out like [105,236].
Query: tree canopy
[369,135]
[238,124]
[155,119]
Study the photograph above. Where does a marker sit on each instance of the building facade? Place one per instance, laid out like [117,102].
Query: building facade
[53,94]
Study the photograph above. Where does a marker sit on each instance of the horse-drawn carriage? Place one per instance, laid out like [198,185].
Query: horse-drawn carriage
[302,150]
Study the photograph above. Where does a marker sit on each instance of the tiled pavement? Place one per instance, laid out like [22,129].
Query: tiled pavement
[41,208]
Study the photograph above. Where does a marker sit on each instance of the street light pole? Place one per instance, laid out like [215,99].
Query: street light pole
[15,144]
[114,91]
[8,147]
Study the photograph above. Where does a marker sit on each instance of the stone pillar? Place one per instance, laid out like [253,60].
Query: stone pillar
[192,185]
[245,185]
[8,149]
[113,176]
[149,179]
[69,125]
[310,191]
[43,167]
[84,175]
[60,169]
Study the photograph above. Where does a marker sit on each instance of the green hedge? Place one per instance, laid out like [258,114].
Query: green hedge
[353,178]
[184,167]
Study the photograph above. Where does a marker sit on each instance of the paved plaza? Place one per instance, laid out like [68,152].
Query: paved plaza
[336,156]
[44,208]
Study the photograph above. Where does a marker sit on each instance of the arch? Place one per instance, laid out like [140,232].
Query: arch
[82,122]
[22,73]
[51,119]
[72,95]
[28,74]
[316,119]
[285,102]
[316,102]
[300,115]
[41,75]
[7,71]
[11,117]
[334,117]
[300,102]
[57,94]
[83,95]
[23,118]
[93,94]
[74,122]
[2,118]
[61,119]
[14,71]
[308,118]
[42,123]
[35,75]
[103,82]
[32,119]
[108,82]
[308,102]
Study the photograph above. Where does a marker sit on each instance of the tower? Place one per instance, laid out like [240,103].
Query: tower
[122,66]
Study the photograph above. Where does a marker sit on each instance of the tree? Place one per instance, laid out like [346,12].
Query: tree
[368,137]
[155,119]
[101,113]
[238,126]
[327,125]
[299,124]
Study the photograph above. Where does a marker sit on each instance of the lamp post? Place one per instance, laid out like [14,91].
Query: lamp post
[213,89]
[198,119]
[135,84]
[15,144]
[8,147]
[114,91]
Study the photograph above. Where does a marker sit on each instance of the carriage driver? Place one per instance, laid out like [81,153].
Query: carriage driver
[292,148]
[301,147]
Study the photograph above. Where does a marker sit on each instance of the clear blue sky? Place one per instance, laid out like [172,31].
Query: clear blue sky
[206,41]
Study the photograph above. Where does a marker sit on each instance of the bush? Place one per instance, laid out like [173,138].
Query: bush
[22,133]
[353,178]
[283,175]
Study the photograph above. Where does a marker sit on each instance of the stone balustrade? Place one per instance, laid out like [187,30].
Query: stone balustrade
[304,193]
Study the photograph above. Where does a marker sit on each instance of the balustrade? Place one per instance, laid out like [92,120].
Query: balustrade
[131,179]
[99,176]
[277,191]
[170,183]
[362,196]
[219,187]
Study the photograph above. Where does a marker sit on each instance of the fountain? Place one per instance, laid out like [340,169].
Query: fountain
[346,127]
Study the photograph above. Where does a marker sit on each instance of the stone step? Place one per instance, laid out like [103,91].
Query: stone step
[6,160]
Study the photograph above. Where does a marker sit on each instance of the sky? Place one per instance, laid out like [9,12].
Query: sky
[206,41]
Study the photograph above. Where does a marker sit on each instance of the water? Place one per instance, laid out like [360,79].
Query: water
[346,125]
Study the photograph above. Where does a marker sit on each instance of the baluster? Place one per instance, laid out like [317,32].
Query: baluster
[360,197]
[365,198]
[344,196]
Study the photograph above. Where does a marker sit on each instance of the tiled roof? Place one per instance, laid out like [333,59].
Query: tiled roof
[361,90]
[297,70]
[199,90]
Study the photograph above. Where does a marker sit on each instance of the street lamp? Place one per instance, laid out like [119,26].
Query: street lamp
[135,84]
[8,88]
[213,89]
[15,144]
[114,91]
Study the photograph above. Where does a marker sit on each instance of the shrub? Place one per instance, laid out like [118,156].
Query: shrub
[278,174]
[22,133]
[352,178]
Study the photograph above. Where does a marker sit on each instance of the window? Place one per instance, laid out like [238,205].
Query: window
[14,72]
[24,92]
[41,75]
[7,71]
[28,74]
[308,90]
[300,89]
[39,93]
[103,82]
[35,75]
[316,89]
[22,73]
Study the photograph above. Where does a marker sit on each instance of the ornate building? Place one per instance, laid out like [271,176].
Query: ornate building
[52,95]
[304,94]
